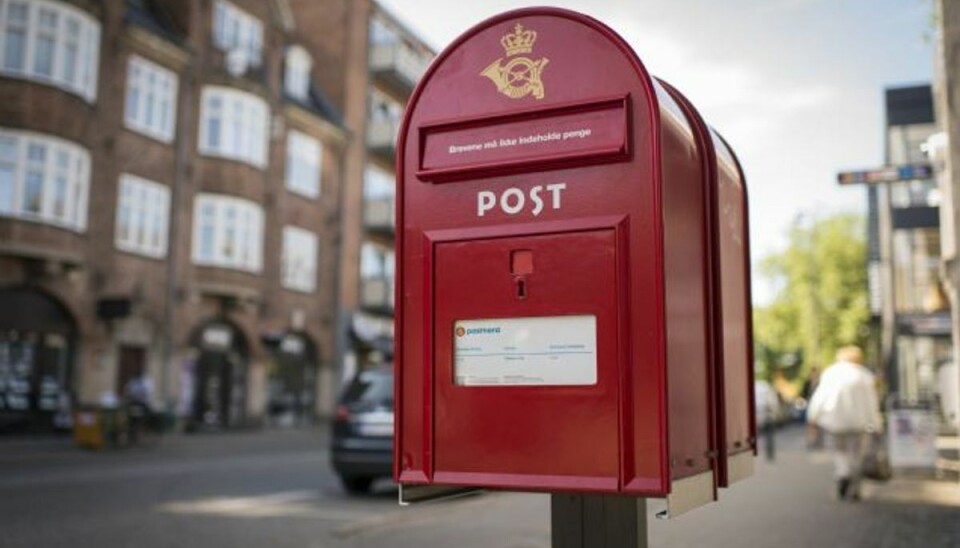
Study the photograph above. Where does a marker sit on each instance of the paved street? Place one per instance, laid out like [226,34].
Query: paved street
[275,489]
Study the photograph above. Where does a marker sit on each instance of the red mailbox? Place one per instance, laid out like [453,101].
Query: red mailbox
[730,301]
[558,267]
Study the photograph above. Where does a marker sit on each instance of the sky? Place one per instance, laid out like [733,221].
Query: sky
[795,86]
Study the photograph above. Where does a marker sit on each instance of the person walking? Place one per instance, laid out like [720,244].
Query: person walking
[846,406]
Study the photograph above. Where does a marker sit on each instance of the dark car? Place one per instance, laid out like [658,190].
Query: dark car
[363,430]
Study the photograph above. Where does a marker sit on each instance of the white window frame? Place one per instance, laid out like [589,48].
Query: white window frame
[234,28]
[143,216]
[154,111]
[242,119]
[64,170]
[296,75]
[298,262]
[83,46]
[304,169]
[244,236]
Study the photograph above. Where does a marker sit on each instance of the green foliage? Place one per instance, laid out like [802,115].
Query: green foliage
[821,301]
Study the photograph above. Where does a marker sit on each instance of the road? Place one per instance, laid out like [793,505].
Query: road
[275,489]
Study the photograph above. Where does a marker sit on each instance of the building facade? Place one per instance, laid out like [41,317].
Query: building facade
[944,150]
[907,295]
[382,61]
[171,186]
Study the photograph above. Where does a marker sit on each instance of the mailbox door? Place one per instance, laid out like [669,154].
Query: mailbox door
[532,405]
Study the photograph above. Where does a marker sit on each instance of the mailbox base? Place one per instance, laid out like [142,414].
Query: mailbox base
[689,493]
[597,521]
[739,466]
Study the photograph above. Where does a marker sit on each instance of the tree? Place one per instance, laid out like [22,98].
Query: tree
[821,301]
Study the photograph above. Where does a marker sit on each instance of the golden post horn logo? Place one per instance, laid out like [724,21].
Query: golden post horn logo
[520,76]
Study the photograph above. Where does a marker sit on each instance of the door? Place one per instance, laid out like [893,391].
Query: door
[131,365]
[526,360]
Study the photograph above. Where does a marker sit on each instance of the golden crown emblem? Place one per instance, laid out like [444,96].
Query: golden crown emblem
[519,76]
[521,41]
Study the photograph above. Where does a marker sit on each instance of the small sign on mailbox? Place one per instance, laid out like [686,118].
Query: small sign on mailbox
[538,351]
[573,273]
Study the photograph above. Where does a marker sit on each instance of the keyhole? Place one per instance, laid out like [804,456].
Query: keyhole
[521,288]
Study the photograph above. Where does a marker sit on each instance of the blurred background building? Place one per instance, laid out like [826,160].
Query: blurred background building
[199,192]
[944,150]
[381,62]
[908,297]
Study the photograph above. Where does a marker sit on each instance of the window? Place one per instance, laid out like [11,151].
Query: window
[376,261]
[143,213]
[43,179]
[299,261]
[151,105]
[234,125]
[228,232]
[378,184]
[235,29]
[384,120]
[376,276]
[304,161]
[296,78]
[380,33]
[916,271]
[50,42]
[384,108]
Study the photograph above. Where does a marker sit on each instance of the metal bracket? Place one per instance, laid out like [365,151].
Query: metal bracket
[414,494]
[689,493]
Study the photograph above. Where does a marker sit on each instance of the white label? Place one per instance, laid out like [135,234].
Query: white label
[546,351]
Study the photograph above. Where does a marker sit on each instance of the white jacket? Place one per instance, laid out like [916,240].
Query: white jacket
[845,400]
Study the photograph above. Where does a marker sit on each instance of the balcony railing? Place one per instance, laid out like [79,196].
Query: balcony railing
[377,294]
[378,214]
[398,64]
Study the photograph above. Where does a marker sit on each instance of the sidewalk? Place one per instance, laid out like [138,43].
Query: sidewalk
[914,491]
[943,489]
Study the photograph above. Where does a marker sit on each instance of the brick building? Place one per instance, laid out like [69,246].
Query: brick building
[171,202]
[381,61]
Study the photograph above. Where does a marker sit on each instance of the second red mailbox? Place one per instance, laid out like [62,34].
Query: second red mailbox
[555,315]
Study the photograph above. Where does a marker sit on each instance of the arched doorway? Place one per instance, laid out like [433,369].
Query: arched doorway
[37,340]
[219,378]
[292,385]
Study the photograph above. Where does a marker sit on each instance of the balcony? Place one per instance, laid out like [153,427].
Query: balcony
[915,204]
[397,66]
[376,294]
[382,138]
[378,215]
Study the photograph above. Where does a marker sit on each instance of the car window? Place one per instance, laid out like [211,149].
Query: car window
[370,387]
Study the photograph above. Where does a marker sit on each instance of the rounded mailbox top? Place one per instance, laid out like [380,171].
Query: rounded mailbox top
[548,69]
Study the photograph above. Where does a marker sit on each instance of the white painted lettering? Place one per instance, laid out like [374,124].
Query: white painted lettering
[537,200]
[505,201]
[514,200]
[555,190]
[485,201]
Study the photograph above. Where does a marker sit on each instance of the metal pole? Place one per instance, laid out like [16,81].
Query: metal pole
[597,521]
